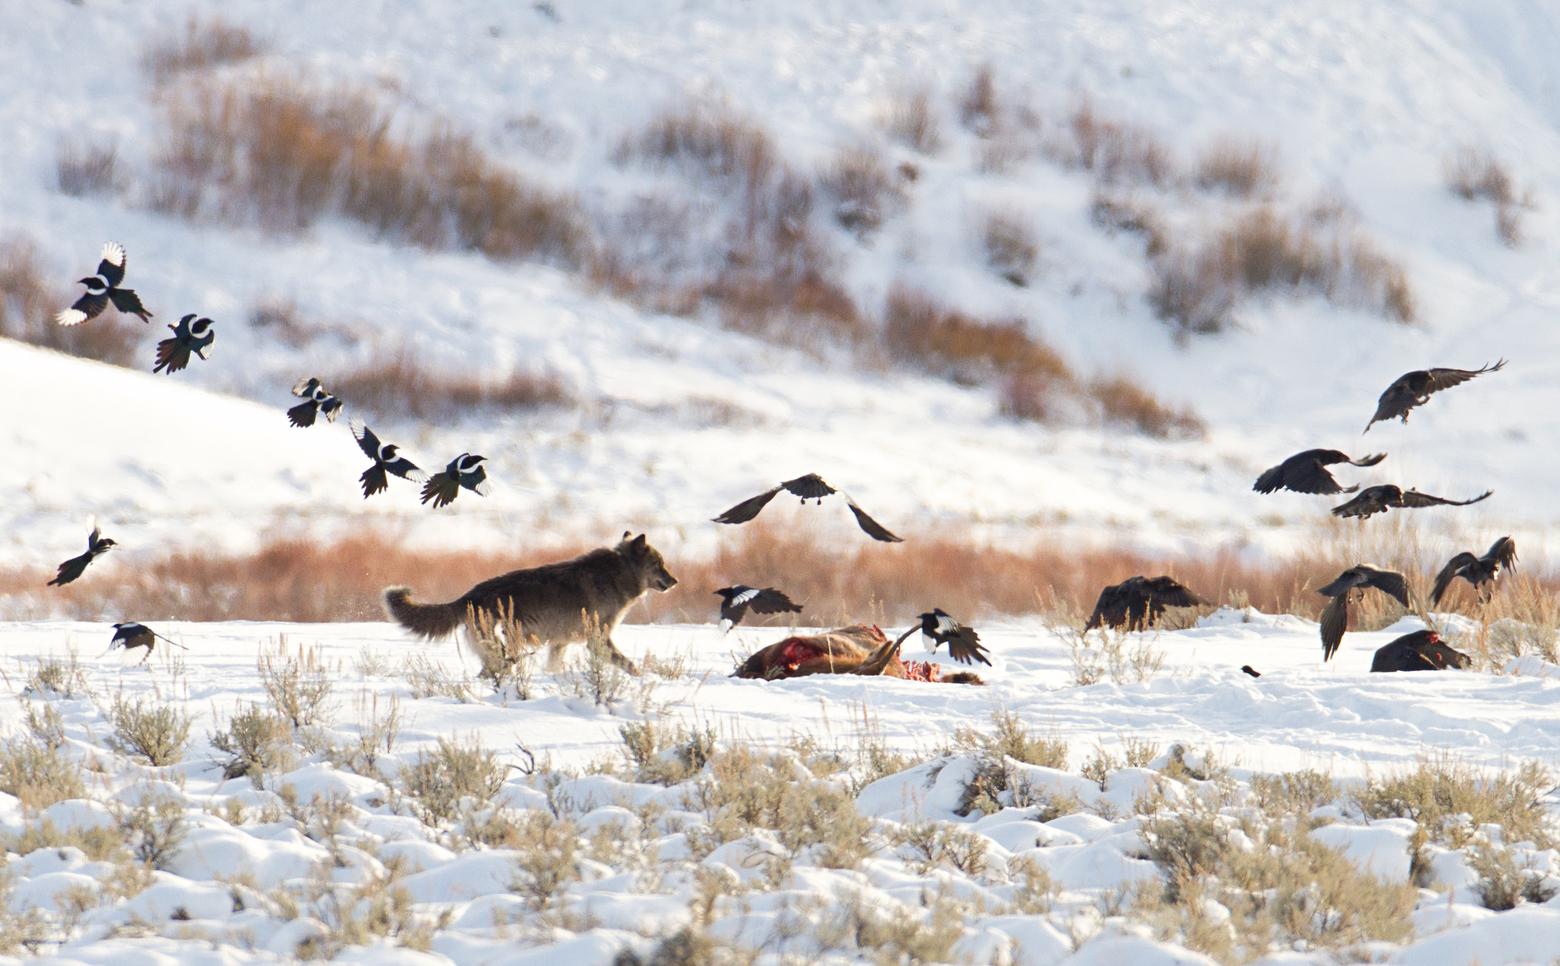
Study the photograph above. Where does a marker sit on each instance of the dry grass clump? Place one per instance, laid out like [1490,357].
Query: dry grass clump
[919,331]
[158,733]
[995,783]
[274,152]
[979,107]
[1116,151]
[205,44]
[439,781]
[1476,174]
[863,189]
[1288,891]
[281,320]
[28,303]
[430,680]
[1123,213]
[57,678]
[1009,246]
[1451,799]
[399,385]
[37,774]
[298,685]
[1239,168]
[913,120]
[1124,402]
[1503,884]
[1261,251]
[662,755]
[83,167]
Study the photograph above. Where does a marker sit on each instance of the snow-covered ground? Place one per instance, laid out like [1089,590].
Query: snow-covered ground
[1361,103]
[1336,719]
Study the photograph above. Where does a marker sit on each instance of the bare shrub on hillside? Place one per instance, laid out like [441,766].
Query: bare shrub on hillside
[399,385]
[430,680]
[913,120]
[1009,246]
[1503,884]
[203,45]
[979,108]
[1116,150]
[297,684]
[1197,289]
[1124,213]
[256,741]
[282,321]
[917,330]
[1123,401]
[1476,174]
[83,167]
[28,303]
[53,677]
[1237,167]
[863,188]
[277,153]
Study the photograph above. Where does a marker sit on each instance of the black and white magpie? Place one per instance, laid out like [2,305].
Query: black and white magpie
[97,545]
[737,600]
[131,634]
[464,470]
[387,461]
[174,354]
[963,643]
[809,487]
[316,402]
[102,289]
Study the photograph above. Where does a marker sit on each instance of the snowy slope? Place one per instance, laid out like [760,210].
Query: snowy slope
[1362,102]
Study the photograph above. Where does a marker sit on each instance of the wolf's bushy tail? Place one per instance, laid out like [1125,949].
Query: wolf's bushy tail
[427,620]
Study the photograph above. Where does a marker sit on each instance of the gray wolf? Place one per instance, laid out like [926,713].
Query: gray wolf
[555,604]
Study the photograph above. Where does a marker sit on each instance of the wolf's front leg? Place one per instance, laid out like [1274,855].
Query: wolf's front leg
[614,655]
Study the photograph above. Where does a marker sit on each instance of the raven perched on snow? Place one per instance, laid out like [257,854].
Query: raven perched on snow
[1307,472]
[809,487]
[102,289]
[1419,651]
[1351,584]
[1138,602]
[1414,388]
[1379,499]
[1481,572]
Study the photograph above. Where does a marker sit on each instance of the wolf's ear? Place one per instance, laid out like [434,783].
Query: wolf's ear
[638,543]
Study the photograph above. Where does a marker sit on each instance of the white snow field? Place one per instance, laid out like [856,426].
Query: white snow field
[257,868]
[1361,104]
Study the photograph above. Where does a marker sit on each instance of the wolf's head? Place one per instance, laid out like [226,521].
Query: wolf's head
[646,561]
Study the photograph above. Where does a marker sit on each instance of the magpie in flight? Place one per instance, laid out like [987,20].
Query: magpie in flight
[963,643]
[736,601]
[316,402]
[1350,585]
[387,461]
[102,289]
[131,634]
[809,487]
[1414,388]
[464,470]
[97,545]
[174,354]
[1380,499]
[1481,572]
[1138,602]
[1307,472]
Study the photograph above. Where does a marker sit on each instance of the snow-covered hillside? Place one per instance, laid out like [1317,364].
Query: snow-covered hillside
[679,417]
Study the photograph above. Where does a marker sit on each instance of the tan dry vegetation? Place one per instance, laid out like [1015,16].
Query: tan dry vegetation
[913,120]
[275,152]
[203,45]
[1117,151]
[1198,286]
[1476,174]
[1122,213]
[28,304]
[1238,167]
[308,580]
[400,385]
[85,167]
[863,188]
